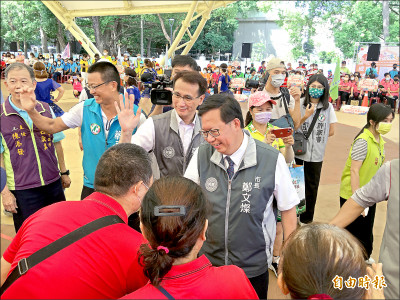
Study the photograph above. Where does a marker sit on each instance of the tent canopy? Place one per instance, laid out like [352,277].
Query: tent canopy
[67,11]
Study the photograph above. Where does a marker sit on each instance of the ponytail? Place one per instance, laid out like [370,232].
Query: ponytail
[156,263]
[249,118]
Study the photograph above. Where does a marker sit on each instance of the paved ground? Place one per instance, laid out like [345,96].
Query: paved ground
[328,197]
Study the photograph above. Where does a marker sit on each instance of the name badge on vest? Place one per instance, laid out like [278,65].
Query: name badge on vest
[169,152]
[95,128]
[211,184]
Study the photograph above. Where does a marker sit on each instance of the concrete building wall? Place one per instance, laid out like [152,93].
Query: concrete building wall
[262,28]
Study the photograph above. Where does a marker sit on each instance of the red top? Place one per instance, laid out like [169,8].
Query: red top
[198,279]
[102,265]
[386,84]
[345,86]
[394,89]
[355,86]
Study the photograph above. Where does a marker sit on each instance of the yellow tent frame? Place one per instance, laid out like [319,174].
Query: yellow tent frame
[194,9]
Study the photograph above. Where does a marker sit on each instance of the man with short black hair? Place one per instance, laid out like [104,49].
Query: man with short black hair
[180,63]
[394,72]
[172,136]
[97,118]
[102,264]
[241,176]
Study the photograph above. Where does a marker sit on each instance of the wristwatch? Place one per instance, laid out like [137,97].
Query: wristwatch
[65,173]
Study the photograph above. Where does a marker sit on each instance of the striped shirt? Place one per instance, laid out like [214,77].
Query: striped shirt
[360,149]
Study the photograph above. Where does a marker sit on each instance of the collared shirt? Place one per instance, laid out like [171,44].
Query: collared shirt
[284,193]
[198,279]
[237,156]
[56,137]
[73,118]
[277,143]
[102,265]
[145,135]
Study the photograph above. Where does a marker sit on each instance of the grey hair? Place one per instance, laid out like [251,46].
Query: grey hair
[19,66]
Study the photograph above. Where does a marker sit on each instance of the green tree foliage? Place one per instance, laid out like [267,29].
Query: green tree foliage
[350,22]
[326,57]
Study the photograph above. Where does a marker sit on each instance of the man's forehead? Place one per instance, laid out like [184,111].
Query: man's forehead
[18,73]
[183,68]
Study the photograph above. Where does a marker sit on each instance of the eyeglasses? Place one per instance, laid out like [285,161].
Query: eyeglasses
[186,98]
[93,88]
[213,132]
[146,186]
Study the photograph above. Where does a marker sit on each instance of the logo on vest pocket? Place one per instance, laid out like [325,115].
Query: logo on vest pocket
[211,184]
[321,117]
[169,152]
[95,129]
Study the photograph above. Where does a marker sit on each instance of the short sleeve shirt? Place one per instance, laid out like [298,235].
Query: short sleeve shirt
[277,143]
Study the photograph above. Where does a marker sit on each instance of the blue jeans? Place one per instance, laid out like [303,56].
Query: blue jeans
[30,201]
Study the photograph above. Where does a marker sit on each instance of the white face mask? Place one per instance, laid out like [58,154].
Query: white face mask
[352,78]
[263,117]
[277,79]
[387,78]
[105,53]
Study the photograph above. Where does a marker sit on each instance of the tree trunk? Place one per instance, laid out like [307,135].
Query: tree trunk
[385,17]
[60,35]
[163,29]
[58,46]
[149,47]
[97,36]
[18,46]
[25,49]
[43,37]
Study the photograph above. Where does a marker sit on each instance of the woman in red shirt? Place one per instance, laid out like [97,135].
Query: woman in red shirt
[345,89]
[355,90]
[173,218]
[393,92]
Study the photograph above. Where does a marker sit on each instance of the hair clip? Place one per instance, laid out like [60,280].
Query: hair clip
[169,211]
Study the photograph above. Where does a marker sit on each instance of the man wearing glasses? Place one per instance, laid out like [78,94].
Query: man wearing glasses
[97,118]
[241,176]
[172,136]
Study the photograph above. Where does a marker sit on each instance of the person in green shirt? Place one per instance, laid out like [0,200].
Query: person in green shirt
[344,69]
[366,156]
[239,72]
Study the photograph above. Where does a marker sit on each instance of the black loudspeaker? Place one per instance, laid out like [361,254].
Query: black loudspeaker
[373,52]
[13,47]
[246,50]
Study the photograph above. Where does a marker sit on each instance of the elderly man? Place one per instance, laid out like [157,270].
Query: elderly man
[241,176]
[35,175]
[102,264]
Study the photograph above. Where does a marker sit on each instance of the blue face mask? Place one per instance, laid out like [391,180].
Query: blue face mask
[316,93]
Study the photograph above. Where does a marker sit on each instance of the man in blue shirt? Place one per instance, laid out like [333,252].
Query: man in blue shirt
[394,71]
[67,67]
[73,66]
[372,70]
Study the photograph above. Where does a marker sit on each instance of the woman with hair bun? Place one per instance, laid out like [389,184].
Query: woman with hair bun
[173,218]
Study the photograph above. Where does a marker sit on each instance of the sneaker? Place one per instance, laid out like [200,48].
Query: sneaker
[370,261]
[274,268]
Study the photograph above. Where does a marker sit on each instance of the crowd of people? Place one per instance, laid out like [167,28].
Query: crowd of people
[189,200]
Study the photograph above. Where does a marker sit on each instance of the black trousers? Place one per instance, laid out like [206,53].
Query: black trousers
[260,285]
[133,219]
[362,228]
[344,97]
[312,175]
[30,201]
